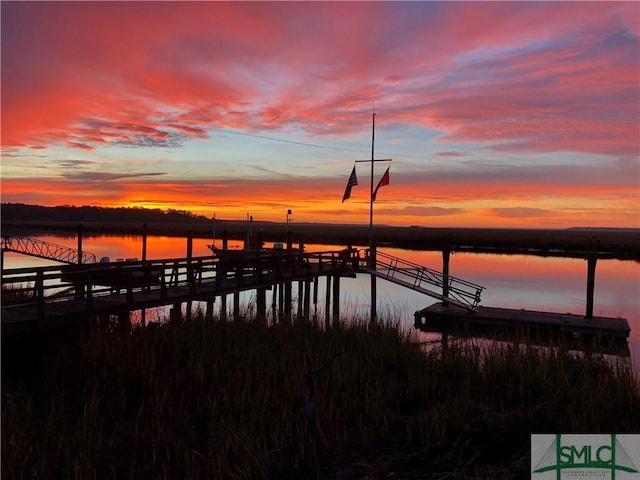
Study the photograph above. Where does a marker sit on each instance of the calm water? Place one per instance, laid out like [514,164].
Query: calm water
[511,281]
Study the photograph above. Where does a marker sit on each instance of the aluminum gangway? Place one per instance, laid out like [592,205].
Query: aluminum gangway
[41,249]
[422,279]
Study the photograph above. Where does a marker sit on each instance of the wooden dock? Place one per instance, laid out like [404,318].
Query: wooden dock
[61,295]
[546,328]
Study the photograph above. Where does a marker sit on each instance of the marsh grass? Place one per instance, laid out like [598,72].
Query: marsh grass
[226,400]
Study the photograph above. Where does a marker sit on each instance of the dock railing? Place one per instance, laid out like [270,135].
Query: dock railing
[210,275]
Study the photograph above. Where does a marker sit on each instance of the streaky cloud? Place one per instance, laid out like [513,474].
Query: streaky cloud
[421,211]
[107,177]
[521,212]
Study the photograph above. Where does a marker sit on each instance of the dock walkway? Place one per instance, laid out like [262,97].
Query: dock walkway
[55,295]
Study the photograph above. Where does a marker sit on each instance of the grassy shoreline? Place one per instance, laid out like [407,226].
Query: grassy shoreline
[232,400]
[616,243]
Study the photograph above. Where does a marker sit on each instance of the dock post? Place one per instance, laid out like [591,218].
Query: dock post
[592,259]
[287,302]
[144,242]
[300,299]
[236,306]
[39,291]
[444,340]
[175,314]
[374,295]
[79,243]
[190,276]
[225,240]
[80,287]
[124,321]
[223,307]
[281,303]
[307,299]
[446,254]
[336,301]
[261,305]
[316,280]
[209,313]
[189,310]
[327,303]
[274,303]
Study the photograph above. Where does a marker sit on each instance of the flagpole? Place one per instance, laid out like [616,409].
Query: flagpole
[373,135]
[371,191]
[372,250]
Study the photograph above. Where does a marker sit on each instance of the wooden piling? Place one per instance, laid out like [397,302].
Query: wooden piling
[175,313]
[261,305]
[592,260]
[124,321]
[336,301]
[236,306]
[274,303]
[144,242]
[374,301]
[307,299]
[446,254]
[189,311]
[287,302]
[209,312]
[444,340]
[223,307]
[316,280]
[300,299]
[374,290]
[79,243]
[281,303]
[327,303]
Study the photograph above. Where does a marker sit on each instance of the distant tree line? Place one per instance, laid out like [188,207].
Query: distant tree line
[68,213]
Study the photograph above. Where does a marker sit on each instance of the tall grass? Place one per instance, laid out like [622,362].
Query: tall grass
[227,400]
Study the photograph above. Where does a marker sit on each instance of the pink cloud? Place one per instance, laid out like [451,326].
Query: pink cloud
[310,65]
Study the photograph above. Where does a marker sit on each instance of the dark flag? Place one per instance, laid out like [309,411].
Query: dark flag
[383,181]
[353,180]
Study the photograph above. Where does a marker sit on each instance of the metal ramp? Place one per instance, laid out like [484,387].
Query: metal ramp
[422,279]
[41,249]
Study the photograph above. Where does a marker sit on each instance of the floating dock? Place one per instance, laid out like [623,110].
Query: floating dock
[576,331]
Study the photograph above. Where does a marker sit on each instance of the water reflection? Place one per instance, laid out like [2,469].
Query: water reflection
[511,281]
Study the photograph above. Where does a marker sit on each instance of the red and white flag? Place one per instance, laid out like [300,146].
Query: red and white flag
[383,181]
[353,181]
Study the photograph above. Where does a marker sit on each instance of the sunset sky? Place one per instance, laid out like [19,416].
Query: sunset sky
[508,114]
